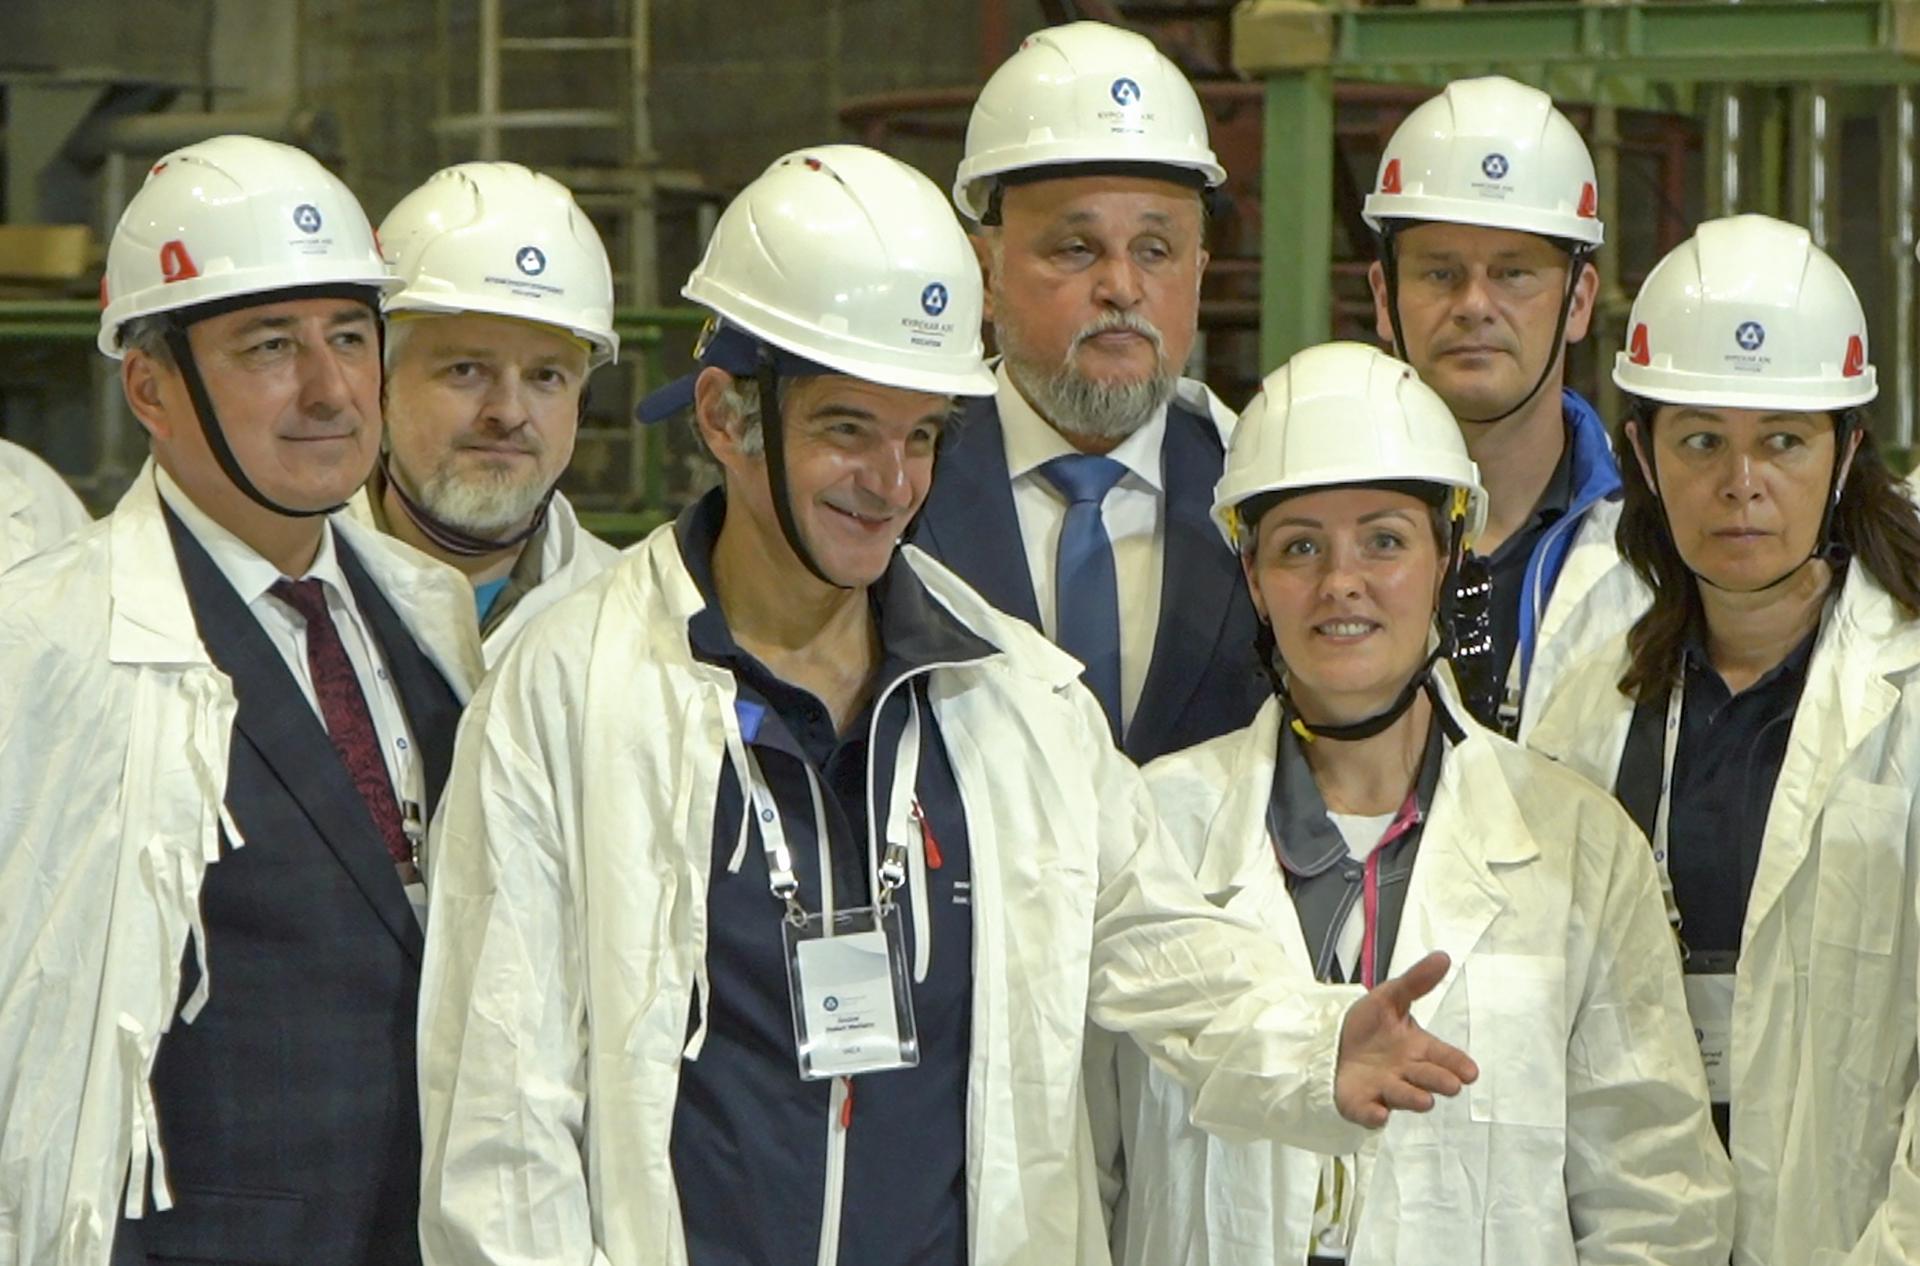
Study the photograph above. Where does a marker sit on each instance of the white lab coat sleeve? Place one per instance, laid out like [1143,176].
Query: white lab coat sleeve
[503,1039]
[1647,1180]
[1207,996]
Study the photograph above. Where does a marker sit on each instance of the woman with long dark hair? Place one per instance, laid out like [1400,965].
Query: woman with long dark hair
[1762,723]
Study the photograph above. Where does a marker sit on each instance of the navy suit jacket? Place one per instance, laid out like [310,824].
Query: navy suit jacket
[288,1108]
[1203,680]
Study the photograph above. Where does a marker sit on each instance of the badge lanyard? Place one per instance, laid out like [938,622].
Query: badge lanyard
[1403,822]
[847,974]
[1708,979]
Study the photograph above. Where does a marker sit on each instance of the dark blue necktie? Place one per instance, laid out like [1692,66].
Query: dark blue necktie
[1086,594]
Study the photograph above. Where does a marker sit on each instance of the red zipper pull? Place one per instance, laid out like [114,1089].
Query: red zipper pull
[846,1105]
[931,845]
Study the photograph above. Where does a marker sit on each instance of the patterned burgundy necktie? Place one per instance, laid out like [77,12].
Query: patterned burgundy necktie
[344,707]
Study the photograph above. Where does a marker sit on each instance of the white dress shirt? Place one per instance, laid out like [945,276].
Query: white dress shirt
[1133,513]
[252,576]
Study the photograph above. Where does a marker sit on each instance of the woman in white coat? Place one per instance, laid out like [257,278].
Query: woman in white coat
[1762,721]
[1365,819]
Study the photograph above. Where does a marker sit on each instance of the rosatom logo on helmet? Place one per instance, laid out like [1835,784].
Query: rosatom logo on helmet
[934,299]
[1126,92]
[531,260]
[306,218]
[1750,335]
[930,330]
[1132,116]
[1495,166]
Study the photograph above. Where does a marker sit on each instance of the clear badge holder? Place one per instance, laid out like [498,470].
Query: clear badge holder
[848,979]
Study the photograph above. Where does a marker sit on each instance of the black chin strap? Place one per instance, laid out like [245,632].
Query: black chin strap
[1578,257]
[773,437]
[457,540]
[181,348]
[1824,546]
[1422,678]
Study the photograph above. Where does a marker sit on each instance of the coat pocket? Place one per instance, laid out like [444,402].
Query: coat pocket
[260,1228]
[1517,1033]
[1862,889]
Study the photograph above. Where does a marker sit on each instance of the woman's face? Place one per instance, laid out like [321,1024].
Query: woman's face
[1744,490]
[1349,578]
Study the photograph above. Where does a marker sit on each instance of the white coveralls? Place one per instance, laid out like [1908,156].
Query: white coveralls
[1825,1089]
[1587,1138]
[114,732]
[569,875]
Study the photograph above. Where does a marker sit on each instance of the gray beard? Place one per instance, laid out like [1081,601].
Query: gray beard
[485,507]
[1083,406]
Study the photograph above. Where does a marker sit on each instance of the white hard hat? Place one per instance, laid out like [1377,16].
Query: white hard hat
[1747,314]
[1493,153]
[852,261]
[1078,94]
[1345,414]
[231,217]
[499,239]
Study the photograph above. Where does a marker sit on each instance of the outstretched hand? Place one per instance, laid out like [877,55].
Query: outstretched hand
[1387,1061]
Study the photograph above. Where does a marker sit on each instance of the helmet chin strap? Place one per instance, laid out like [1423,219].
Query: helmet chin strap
[1824,546]
[1577,260]
[1422,679]
[451,538]
[181,349]
[773,435]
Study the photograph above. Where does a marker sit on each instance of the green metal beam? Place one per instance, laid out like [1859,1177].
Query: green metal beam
[1759,41]
[1296,195]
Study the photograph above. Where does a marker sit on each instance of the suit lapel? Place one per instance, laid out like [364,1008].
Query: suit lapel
[275,718]
[1199,578]
[433,713]
[969,522]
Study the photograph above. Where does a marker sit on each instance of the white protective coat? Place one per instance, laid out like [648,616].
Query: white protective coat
[570,556]
[1825,1035]
[1596,598]
[569,881]
[1587,1138]
[114,732]
[37,508]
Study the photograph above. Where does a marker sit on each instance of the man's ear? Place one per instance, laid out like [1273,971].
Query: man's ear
[721,430]
[1382,318]
[1585,290]
[142,381]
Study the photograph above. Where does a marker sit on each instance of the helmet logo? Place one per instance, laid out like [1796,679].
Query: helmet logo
[1637,350]
[1856,363]
[306,218]
[934,299]
[1125,92]
[1589,202]
[1495,166]
[175,263]
[1750,335]
[1390,178]
[531,260]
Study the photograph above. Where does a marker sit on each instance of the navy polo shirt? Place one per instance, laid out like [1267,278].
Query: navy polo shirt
[1725,763]
[1322,876]
[750,1138]
[1507,565]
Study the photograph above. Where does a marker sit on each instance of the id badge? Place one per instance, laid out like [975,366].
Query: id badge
[1710,1005]
[847,979]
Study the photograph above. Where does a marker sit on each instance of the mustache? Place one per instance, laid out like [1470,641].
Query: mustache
[1112,321]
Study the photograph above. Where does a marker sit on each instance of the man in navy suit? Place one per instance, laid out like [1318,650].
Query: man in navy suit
[225,712]
[1077,496]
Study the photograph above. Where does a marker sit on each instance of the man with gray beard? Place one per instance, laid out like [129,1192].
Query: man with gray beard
[1077,496]
[506,311]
